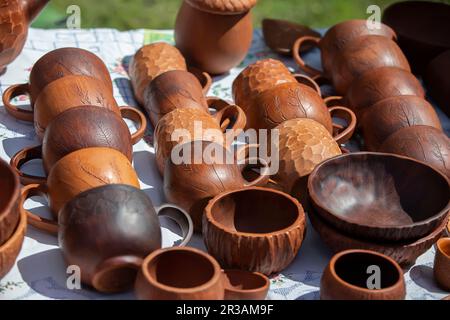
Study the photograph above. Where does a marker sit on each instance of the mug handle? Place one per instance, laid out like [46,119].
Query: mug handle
[22,157]
[36,221]
[226,115]
[308,81]
[203,77]
[219,104]
[299,60]
[138,117]
[244,161]
[333,101]
[15,91]
[180,217]
[343,135]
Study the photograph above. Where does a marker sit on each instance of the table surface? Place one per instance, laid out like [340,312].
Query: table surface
[40,271]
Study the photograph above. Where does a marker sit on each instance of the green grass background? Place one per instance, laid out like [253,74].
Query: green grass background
[161,14]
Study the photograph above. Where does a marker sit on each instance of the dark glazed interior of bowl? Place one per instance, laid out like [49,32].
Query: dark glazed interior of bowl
[181,269]
[353,269]
[7,186]
[243,280]
[255,211]
[380,190]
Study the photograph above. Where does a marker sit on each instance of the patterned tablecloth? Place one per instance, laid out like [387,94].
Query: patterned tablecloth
[40,272]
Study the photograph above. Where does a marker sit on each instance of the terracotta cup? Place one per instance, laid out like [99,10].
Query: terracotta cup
[188,124]
[77,172]
[102,229]
[9,201]
[179,274]
[192,182]
[442,263]
[351,275]
[256,229]
[392,114]
[245,285]
[334,41]
[54,65]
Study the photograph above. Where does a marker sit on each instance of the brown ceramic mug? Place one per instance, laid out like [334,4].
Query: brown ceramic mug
[442,263]
[348,277]
[256,229]
[102,229]
[54,65]
[9,201]
[77,172]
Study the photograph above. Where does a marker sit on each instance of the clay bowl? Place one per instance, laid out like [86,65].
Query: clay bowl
[245,285]
[380,197]
[76,172]
[437,80]
[101,229]
[54,65]
[280,35]
[334,41]
[423,143]
[192,183]
[179,274]
[9,201]
[442,263]
[392,114]
[404,252]
[255,229]
[346,277]
[9,250]
[421,27]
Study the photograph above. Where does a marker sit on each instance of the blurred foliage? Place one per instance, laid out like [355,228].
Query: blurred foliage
[161,14]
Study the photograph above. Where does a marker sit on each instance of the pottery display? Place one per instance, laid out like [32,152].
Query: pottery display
[160,277]
[423,143]
[254,228]
[214,35]
[280,35]
[191,184]
[9,202]
[101,226]
[392,114]
[53,65]
[15,17]
[422,28]
[437,80]
[245,285]
[346,277]
[380,197]
[79,171]
[334,41]
[442,263]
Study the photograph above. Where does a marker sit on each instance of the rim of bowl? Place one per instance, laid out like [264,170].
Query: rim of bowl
[21,226]
[438,246]
[258,274]
[15,194]
[441,214]
[208,213]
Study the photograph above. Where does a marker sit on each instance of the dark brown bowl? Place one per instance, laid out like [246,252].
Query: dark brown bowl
[380,197]
[437,80]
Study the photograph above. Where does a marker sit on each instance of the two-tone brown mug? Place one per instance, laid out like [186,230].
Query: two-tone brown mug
[9,201]
[54,65]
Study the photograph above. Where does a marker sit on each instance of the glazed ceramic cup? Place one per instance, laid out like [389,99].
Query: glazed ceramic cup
[9,201]
[442,263]
[102,227]
[245,285]
[334,41]
[77,172]
[191,183]
[380,197]
[347,277]
[54,65]
[179,274]
[256,229]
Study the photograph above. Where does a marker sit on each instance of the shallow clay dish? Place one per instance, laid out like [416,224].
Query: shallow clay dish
[437,80]
[245,285]
[382,197]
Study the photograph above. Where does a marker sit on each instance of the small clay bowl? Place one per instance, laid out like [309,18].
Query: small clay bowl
[9,201]
[245,285]
[179,274]
[254,228]
[442,263]
[382,197]
[404,252]
[437,80]
[54,65]
[346,277]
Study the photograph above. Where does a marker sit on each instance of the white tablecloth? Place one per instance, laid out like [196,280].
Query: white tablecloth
[40,272]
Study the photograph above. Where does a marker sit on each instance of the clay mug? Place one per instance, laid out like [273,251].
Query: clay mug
[334,41]
[214,36]
[102,229]
[188,124]
[442,263]
[392,114]
[54,65]
[192,183]
[347,277]
[76,172]
[245,285]
[9,201]
[255,229]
